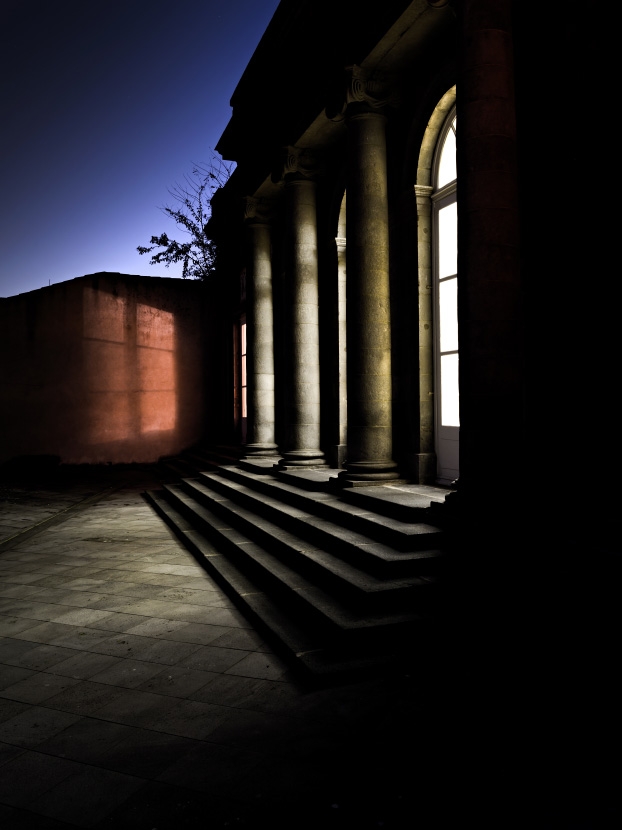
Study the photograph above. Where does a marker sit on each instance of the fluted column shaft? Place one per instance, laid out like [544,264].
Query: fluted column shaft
[368,302]
[303,359]
[260,349]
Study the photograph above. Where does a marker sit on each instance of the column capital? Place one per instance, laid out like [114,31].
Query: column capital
[258,211]
[423,191]
[365,92]
[298,164]
[423,197]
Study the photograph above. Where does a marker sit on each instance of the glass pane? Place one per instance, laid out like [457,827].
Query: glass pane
[447,167]
[450,408]
[244,415]
[448,240]
[243,337]
[448,314]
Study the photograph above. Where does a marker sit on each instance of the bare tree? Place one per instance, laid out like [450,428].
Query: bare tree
[198,252]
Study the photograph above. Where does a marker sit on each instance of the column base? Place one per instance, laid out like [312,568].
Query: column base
[358,473]
[260,451]
[301,459]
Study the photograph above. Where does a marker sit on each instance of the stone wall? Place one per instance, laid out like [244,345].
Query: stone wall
[106,368]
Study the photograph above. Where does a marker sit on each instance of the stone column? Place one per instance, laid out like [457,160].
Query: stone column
[259,334]
[368,298]
[302,447]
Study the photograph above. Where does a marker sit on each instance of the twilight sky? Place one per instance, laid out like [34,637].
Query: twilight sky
[105,105]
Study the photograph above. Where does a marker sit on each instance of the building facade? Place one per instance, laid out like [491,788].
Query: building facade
[419,217]
[403,249]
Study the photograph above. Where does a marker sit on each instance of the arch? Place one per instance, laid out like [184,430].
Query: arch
[431,136]
[427,460]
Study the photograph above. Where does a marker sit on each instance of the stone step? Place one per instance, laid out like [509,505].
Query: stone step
[298,615]
[327,505]
[199,462]
[306,566]
[307,651]
[405,502]
[175,467]
[259,465]
[296,561]
[316,480]
[354,547]
[201,457]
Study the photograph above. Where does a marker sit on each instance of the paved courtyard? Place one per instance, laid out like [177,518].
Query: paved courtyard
[134,694]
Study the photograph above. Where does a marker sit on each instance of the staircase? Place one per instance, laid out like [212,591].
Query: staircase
[195,459]
[339,580]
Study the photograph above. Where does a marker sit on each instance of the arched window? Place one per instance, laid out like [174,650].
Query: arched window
[445,223]
[445,282]
[437,225]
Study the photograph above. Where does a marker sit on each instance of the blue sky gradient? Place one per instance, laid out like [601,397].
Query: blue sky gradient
[105,106]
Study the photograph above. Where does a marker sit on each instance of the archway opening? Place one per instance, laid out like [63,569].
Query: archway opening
[436,193]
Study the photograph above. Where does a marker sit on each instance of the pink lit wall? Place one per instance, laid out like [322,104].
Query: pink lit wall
[106,368]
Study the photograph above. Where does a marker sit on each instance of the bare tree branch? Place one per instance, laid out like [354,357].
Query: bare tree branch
[198,254]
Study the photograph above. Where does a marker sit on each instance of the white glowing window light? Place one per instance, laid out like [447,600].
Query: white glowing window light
[446,212]
[447,171]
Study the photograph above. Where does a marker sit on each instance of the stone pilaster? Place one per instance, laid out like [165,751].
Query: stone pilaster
[490,315]
[302,447]
[341,447]
[260,329]
[426,457]
[368,297]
